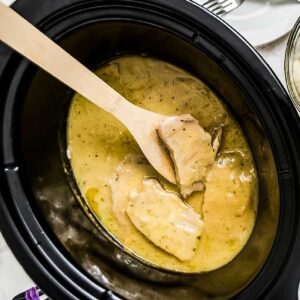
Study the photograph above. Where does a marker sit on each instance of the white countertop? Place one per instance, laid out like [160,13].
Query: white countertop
[13,278]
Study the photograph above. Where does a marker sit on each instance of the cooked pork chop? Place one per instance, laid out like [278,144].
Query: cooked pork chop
[165,219]
[128,175]
[191,150]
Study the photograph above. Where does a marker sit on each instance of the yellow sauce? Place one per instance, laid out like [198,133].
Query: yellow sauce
[98,143]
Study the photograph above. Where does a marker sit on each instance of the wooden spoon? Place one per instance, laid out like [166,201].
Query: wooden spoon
[19,34]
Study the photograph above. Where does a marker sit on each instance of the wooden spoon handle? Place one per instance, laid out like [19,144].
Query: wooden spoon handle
[31,43]
[19,34]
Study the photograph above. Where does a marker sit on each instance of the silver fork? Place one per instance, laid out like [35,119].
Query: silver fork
[222,7]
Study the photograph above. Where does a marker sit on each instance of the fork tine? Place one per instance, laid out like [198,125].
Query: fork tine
[212,6]
[233,5]
[209,3]
[225,4]
[220,13]
[230,7]
[215,5]
[221,7]
[221,3]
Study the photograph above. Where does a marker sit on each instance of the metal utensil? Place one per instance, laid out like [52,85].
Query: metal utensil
[292,54]
[221,7]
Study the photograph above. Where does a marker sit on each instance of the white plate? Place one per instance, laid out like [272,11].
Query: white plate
[262,21]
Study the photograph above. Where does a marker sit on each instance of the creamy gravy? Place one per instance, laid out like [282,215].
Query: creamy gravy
[98,143]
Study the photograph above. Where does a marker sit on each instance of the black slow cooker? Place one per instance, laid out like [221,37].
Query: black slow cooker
[48,231]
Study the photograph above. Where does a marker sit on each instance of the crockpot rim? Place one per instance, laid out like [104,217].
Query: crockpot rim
[278,88]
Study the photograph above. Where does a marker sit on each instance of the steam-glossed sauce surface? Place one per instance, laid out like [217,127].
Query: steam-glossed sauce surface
[98,145]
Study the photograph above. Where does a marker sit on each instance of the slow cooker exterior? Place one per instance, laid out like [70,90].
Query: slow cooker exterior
[51,267]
